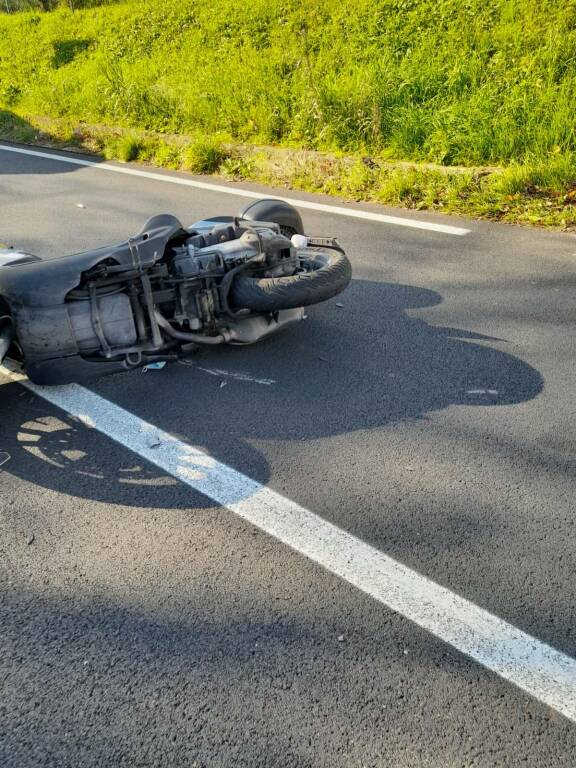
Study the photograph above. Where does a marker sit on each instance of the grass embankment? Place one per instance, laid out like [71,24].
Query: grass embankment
[476,98]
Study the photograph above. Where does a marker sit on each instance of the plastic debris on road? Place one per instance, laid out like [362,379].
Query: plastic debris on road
[154,366]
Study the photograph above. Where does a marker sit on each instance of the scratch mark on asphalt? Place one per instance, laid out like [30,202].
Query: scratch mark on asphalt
[238,376]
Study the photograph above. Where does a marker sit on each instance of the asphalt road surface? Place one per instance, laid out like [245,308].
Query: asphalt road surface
[431,416]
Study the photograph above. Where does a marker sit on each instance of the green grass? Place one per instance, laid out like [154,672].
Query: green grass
[541,193]
[472,83]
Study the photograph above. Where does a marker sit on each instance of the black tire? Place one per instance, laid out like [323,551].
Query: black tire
[6,329]
[329,274]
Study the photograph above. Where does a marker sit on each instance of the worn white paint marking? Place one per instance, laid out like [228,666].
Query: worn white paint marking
[481,391]
[354,213]
[538,669]
[229,374]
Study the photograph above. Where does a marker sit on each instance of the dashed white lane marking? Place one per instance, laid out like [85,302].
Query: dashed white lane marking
[354,213]
[229,374]
[538,669]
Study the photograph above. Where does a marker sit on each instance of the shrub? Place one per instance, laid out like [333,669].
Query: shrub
[204,155]
[126,148]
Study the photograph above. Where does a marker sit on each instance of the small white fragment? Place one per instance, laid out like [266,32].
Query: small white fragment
[80,205]
[223,384]
[481,391]
[340,638]
[341,306]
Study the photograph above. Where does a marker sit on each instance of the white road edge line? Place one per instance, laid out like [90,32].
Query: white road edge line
[431,226]
[543,672]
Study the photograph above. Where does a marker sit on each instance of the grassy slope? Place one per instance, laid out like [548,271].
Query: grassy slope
[452,82]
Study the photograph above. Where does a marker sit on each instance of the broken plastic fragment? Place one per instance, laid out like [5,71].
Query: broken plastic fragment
[154,366]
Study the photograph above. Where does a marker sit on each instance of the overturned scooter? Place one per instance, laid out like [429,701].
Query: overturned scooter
[164,292]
